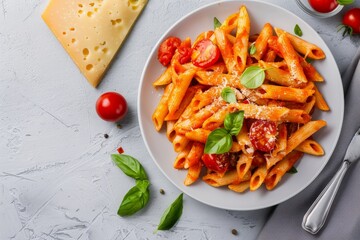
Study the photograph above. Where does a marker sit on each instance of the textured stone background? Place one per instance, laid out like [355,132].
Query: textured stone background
[56,177]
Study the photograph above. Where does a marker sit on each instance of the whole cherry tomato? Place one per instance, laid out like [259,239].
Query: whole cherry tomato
[351,21]
[220,162]
[262,135]
[167,49]
[205,54]
[323,6]
[111,106]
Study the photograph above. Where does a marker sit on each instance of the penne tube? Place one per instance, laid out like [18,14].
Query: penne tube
[302,46]
[284,93]
[296,139]
[291,58]
[310,72]
[281,141]
[181,85]
[226,50]
[180,142]
[170,131]
[189,94]
[198,135]
[262,41]
[258,177]
[194,156]
[320,102]
[230,177]
[241,44]
[243,165]
[279,170]
[181,157]
[164,79]
[279,76]
[240,187]
[310,146]
[193,174]
[162,109]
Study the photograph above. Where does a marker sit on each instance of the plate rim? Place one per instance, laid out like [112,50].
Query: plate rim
[147,63]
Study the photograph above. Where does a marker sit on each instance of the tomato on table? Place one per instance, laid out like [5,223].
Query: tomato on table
[205,53]
[323,6]
[262,135]
[111,106]
[351,21]
[167,49]
[220,162]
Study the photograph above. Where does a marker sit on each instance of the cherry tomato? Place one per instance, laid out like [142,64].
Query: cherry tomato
[167,49]
[220,162]
[323,6]
[262,135]
[351,21]
[205,54]
[111,106]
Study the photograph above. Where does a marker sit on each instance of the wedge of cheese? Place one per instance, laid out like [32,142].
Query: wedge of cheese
[92,31]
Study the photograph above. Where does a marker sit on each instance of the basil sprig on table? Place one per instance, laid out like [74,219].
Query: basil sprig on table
[252,77]
[298,31]
[220,140]
[135,199]
[228,95]
[217,23]
[138,196]
[171,214]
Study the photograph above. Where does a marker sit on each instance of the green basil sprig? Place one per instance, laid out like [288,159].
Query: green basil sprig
[252,49]
[233,122]
[135,199]
[138,196]
[252,77]
[228,95]
[220,140]
[217,23]
[345,2]
[298,31]
[171,214]
[130,166]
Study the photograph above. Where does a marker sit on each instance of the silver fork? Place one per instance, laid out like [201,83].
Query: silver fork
[315,217]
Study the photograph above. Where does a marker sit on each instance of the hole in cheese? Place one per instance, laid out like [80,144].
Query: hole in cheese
[92,4]
[96,48]
[80,11]
[80,5]
[89,14]
[85,51]
[89,67]
[73,40]
[64,33]
[72,29]
[105,50]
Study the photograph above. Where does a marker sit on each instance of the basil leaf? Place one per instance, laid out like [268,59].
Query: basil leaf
[298,31]
[252,77]
[252,49]
[130,166]
[171,214]
[292,170]
[309,60]
[228,95]
[233,122]
[345,2]
[135,199]
[218,141]
[217,23]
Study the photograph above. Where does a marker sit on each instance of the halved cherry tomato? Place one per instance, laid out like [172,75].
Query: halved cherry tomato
[205,54]
[111,106]
[220,162]
[167,49]
[262,135]
[323,6]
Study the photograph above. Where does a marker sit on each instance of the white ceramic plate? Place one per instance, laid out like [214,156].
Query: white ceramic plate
[308,167]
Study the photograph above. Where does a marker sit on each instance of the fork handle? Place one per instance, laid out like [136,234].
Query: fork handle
[315,217]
